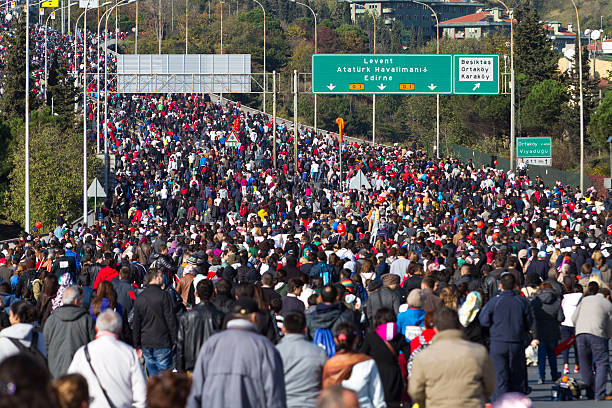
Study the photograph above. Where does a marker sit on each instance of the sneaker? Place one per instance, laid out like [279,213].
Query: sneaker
[576,369]
[566,369]
[540,381]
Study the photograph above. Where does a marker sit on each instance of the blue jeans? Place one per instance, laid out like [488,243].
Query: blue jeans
[593,356]
[566,333]
[547,350]
[157,359]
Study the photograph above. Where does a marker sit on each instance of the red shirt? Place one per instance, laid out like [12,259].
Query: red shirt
[106,274]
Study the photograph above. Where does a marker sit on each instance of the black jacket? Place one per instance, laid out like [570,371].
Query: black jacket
[548,315]
[154,322]
[125,293]
[195,327]
[64,264]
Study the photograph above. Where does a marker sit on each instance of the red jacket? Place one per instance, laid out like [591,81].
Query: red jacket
[106,274]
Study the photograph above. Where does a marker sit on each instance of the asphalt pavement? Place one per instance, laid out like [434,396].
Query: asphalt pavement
[542,394]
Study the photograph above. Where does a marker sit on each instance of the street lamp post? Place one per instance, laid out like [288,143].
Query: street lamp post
[186,25]
[76,70]
[104,128]
[581,99]
[46,48]
[98,80]
[315,50]
[437,95]
[512,86]
[264,54]
[27,120]
[85,221]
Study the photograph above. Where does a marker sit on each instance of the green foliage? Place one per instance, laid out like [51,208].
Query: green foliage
[12,102]
[61,93]
[601,123]
[351,39]
[534,55]
[56,170]
[542,109]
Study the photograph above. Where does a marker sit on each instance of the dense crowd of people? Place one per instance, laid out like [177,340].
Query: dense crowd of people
[295,286]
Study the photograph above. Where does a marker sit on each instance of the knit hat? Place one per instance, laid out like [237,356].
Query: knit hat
[415,298]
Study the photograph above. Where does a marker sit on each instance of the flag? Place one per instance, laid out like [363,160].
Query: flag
[50,3]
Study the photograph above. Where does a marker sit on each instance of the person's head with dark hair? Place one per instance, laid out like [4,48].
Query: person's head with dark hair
[223,287]
[382,316]
[428,283]
[294,323]
[267,279]
[295,286]
[329,294]
[205,290]
[291,261]
[245,289]
[71,391]
[276,305]
[168,390]
[22,312]
[592,288]
[346,337]
[124,273]
[313,300]
[24,382]
[5,287]
[154,277]
[507,281]
[605,292]
[446,319]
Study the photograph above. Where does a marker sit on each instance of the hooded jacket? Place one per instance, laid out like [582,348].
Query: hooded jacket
[327,317]
[23,333]
[68,328]
[548,315]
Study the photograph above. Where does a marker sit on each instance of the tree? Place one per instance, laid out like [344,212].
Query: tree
[601,123]
[534,55]
[351,39]
[13,99]
[61,93]
[56,166]
[542,109]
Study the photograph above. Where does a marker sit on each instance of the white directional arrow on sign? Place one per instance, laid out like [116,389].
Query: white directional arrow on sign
[331,87]
[432,87]
[381,87]
[476,86]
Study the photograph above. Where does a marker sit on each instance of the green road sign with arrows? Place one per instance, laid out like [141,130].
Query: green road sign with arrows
[408,74]
[382,74]
[476,74]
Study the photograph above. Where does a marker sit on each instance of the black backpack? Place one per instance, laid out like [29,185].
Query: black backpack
[32,351]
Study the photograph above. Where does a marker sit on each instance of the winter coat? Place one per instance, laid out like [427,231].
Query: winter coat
[548,315]
[383,297]
[23,333]
[452,372]
[195,327]
[327,317]
[251,375]
[68,328]
[154,323]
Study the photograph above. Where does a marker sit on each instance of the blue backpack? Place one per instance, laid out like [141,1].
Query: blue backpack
[324,339]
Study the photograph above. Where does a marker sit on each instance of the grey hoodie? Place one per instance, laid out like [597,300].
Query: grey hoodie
[23,333]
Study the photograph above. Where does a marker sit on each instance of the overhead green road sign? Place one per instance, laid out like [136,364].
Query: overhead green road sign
[476,74]
[382,74]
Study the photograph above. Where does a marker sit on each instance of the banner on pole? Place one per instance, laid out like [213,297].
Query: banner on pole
[50,3]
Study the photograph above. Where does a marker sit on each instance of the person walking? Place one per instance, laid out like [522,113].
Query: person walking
[569,303]
[68,328]
[548,316]
[593,322]
[154,325]
[353,370]
[238,367]
[302,362]
[509,318]
[111,367]
[196,326]
[451,372]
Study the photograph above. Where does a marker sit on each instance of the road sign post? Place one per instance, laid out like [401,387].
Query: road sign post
[382,74]
[476,74]
[534,150]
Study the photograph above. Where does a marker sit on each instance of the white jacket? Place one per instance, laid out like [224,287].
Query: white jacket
[118,368]
[365,381]
[23,333]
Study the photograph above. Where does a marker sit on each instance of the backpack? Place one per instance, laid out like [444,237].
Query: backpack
[324,339]
[32,351]
[423,346]
[327,273]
